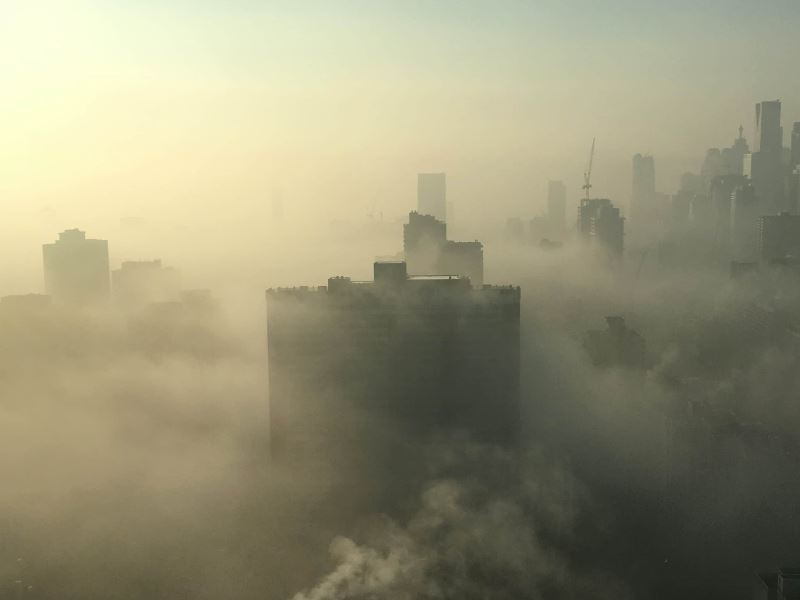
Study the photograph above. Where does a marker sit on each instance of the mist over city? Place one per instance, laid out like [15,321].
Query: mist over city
[381,300]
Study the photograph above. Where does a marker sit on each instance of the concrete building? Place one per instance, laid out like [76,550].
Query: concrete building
[463,258]
[407,356]
[76,268]
[795,147]
[137,283]
[428,251]
[733,157]
[423,238]
[764,165]
[600,223]
[779,237]
[745,214]
[432,195]
[557,209]
[721,195]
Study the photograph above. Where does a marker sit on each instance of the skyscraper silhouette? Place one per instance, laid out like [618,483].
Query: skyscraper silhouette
[76,268]
[419,355]
[766,162]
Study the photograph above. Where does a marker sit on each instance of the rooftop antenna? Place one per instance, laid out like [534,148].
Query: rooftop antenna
[587,175]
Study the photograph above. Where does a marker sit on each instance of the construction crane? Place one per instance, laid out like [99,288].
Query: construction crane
[587,175]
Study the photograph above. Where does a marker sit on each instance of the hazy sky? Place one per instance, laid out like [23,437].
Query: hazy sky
[185,108]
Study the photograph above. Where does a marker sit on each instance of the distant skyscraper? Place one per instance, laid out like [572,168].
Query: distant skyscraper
[600,222]
[796,145]
[769,133]
[643,189]
[423,238]
[432,195]
[463,258]
[733,157]
[557,207]
[765,166]
[402,356]
[779,237]
[428,251]
[137,283]
[721,195]
[744,222]
[76,268]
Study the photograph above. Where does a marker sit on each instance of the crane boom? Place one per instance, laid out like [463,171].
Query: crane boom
[587,175]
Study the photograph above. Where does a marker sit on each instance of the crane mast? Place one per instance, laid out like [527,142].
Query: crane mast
[587,175]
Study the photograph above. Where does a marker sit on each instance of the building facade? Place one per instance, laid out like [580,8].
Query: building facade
[600,223]
[76,268]
[410,356]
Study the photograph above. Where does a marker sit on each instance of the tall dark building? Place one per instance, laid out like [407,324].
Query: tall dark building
[428,251]
[600,223]
[795,145]
[423,238]
[432,195]
[557,207]
[769,133]
[779,237]
[765,165]
[733,157]
[721,196]
[643,188]
[76,268]
[744,222]
[418,355]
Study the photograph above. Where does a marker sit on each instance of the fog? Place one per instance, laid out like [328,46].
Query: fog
[254,146]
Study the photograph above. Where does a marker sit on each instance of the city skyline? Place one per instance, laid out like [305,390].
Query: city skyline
[432,299]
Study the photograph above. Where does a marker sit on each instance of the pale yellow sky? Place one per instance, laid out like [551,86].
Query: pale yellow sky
[201,111]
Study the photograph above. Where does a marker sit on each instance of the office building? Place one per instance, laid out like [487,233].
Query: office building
[779,237]
[427,250]
[423,238]
[744,222]
[76,268]
[600,223]
[463,258]
[406,356]
[764,165]
[557,208]
[769,133]
[137,283]
[733,157]
[643,189]
[432,195]
[721,197]
[795,147]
